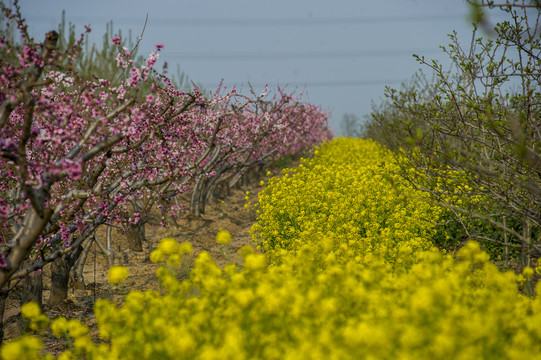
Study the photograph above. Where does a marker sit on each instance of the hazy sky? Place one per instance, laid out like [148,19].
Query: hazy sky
[343,51]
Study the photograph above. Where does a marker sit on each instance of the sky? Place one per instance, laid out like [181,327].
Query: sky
[342,53]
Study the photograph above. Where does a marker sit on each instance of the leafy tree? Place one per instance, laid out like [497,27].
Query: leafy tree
[475,138]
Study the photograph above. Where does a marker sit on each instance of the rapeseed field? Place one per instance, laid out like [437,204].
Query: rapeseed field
[344,268]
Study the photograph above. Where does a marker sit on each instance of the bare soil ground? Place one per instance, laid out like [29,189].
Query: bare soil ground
[226,213]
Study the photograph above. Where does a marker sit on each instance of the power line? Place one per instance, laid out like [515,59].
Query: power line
[277,55]
[167,21]
[349,83]
[304,21]
[310,84]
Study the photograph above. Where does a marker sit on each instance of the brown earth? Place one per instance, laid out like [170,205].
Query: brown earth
[226,213]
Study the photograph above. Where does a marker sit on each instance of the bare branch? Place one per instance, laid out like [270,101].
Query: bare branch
[24,240]
[94,126]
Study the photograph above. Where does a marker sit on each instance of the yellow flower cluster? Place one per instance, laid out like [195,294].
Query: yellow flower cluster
[223,237]
[29,347]
[24,348]
[31,311]
[326,298]
[117,274]
[435,307]
[171,248]
[349,196]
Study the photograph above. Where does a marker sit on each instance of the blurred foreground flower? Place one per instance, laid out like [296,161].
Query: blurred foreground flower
[168,246]
[30,310]
[223,237]
[117,274]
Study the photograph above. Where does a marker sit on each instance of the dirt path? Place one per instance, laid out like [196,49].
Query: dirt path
[229,214]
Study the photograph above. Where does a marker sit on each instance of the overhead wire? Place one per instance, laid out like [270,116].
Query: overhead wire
[278,55]
[282,55]
[298,21]
[300,84]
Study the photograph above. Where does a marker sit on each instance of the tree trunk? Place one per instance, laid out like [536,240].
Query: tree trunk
[135,236]
[33,288]
[136,232]
[60,274]
[77,278]
[109,254]
[4,292]
[202,197]
[194,203]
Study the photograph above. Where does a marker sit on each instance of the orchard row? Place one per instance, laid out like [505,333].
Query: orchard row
[78,153]
[336,280]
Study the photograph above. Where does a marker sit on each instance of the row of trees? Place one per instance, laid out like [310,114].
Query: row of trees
[77,153]
[475,131]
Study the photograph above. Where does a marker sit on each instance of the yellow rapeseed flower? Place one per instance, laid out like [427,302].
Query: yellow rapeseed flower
[75,328]
[30,310]
[67,355]
[117,274]
[156,256]
[59,326]
[24,348]
[185,248]
[223,237]
[168,246]
[528,272]
[255,262]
